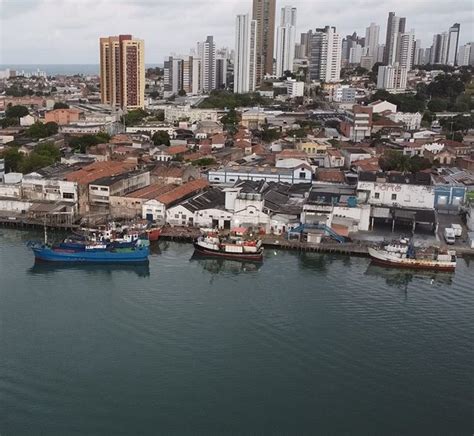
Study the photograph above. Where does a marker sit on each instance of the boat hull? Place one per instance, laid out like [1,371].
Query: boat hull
[46,254]
[392,261]
[154,235]
[256,257]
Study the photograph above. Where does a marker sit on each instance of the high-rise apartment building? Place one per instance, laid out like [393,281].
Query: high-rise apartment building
[207,53]
[263,12]
[286,34]
[245,63]
[395,27]
[405,49]
[466,54]
[453,42]
[172,76]
[392,78]
[372,39]
[122,71]
[325,55]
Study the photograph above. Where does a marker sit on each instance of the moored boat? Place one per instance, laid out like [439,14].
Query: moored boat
[230,247]
[402,254]
[90,254]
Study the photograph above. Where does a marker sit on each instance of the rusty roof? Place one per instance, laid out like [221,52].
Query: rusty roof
[152,191]
[99,170]
[183,191]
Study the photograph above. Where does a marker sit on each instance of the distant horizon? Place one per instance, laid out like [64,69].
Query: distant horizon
[70,31]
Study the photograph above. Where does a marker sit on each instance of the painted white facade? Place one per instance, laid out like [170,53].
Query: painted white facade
[155,210]
[177,113]
[396,195]
[230,175]
[383,106]
[412,121]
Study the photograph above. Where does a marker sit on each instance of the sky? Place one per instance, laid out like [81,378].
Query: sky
[68,31]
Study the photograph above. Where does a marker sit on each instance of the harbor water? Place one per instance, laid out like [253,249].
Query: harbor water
[305,343]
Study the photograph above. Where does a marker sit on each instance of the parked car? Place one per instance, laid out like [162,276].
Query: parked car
[449,235]
[457,230]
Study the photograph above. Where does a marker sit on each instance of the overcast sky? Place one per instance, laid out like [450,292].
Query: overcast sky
[67,31]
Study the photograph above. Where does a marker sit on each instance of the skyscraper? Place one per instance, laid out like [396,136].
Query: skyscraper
[264,13]
[286,34]
[453,41]
[245,64]
[325,55]
[466,54]
[122,71]
[207,53]
[405,49]
[395,26]
[372,39]
[172,76]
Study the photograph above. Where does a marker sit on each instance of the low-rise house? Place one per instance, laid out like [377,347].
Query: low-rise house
[27,120]
[333,158]
[452,186]
[207,128]
[353,154]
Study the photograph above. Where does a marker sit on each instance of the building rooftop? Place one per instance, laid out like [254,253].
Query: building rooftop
[213,198]
[98,170]
[183,191]
[152,191]
[110,180]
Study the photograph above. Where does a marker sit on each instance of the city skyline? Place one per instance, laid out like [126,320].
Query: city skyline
[74,29]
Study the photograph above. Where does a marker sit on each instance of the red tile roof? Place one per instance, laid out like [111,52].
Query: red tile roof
[152,191]
[98,170]
[183,191]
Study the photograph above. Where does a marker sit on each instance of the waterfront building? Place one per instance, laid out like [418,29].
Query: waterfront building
[286,35]
[122,71]
[245,54]
[325,55]
[263,11]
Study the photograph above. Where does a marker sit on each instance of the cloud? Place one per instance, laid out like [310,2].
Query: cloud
[67,31]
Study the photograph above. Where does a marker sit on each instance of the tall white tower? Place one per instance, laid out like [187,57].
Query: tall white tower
[286,39]
[245,54]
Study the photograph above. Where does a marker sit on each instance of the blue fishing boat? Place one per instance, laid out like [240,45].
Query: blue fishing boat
[90,254]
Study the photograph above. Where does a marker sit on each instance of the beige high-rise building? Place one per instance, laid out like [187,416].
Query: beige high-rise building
[264,13]
[122,71]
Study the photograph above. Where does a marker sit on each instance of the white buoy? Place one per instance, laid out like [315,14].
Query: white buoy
[275,253]
[432,281]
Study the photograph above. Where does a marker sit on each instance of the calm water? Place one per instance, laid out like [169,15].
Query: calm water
[305,344]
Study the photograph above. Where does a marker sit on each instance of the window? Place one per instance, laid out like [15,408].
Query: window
[302,175]
[377,195]
[68,195]
[394,196]
[176,216]
[104,189]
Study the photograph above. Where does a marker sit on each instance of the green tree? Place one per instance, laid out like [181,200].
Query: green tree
[39,130]
[204,162]
[182,93]
[437,105]
[13,159]
[60,105]
[134,117]
[270,135]
[161,138]
[231,120]
[17,111]
[7,122]
[82,143]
